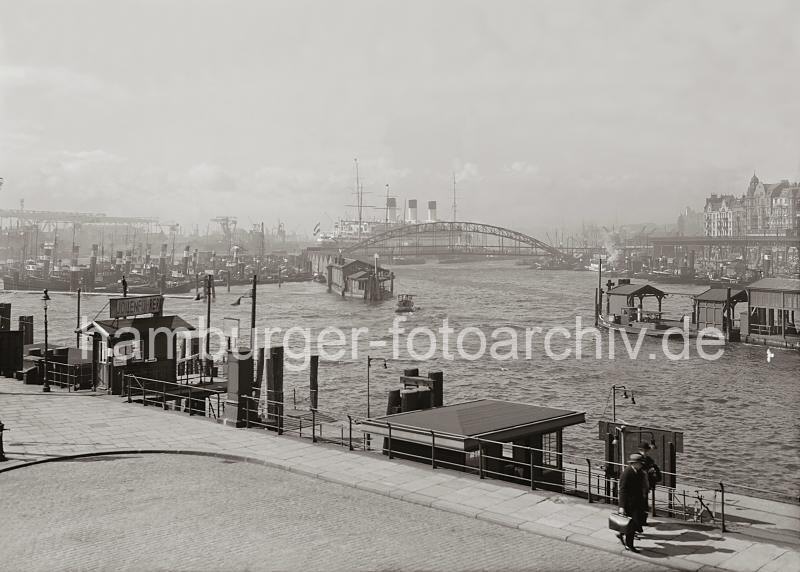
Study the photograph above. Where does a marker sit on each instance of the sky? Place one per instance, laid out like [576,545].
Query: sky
[548,113]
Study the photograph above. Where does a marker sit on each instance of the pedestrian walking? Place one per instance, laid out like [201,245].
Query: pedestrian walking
[632,501]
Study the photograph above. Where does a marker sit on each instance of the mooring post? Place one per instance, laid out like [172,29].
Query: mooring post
[314,381]
[313,425]
[722,500]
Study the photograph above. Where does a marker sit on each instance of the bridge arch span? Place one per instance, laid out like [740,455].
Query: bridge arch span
[452,237]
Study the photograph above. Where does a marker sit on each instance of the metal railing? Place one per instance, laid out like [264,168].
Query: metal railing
[315,424]
[194,399]
[696,499]
[72,376]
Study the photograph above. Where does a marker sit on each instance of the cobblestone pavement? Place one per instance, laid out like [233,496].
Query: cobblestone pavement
[42,426]
[184,512]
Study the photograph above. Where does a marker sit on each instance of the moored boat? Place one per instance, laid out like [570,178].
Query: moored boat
[405,303]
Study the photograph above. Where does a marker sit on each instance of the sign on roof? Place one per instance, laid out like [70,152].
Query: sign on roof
[136,306]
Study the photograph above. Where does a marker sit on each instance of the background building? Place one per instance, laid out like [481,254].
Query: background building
[766,209]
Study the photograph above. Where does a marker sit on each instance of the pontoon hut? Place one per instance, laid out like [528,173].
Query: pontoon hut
[713,308]
[774,307]
[456,436]
[625,303]
[143,346]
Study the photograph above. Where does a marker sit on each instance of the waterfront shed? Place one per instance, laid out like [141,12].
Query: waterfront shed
[774,307]
[454,435]
[711,307]
[145,346]
[356,277]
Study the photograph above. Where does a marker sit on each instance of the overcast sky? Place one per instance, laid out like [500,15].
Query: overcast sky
[548,113]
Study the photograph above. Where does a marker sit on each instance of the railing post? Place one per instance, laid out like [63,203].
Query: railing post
[722,510]
[2,452]
[144,403]
[301,425]
[313,425]
[433,449]
[128,379]
[480,460]
[530,462]
[350,425]
[164,394]
[589,481]
[190,400]
[390,439]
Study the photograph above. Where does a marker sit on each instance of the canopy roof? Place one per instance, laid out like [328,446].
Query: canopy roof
[776,285]
[720,295]
[111,327]
[636,290]
[485,418]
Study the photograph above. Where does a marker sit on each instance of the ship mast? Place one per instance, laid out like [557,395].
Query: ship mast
[454,197]
[359,199]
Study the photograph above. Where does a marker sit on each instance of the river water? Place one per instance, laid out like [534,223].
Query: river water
[738,413]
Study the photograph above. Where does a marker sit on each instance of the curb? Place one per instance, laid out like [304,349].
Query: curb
[414,498]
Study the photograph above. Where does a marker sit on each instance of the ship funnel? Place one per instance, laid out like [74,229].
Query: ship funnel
[185,261]
[431,211]
[75,252]
[391,208]
[412,210]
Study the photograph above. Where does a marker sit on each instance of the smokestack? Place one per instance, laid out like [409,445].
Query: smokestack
[391,206]
[93,266]
[431,211]
[412,210]
[75,252]
[128,255]
[185,261]
[162,261]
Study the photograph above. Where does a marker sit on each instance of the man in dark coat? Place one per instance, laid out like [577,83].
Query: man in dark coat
[652,470]
[633,497]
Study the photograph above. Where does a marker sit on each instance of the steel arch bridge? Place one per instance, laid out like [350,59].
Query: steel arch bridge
[452,238]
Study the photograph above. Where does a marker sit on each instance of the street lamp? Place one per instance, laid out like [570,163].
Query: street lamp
[252,296]
[369,365]
[46,385]
[625,392]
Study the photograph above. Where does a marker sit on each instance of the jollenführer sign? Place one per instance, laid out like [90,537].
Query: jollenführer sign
[135,306]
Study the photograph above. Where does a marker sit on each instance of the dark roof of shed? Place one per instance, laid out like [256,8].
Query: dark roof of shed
[777,284]
[140,324]
[720,295]
[480,417]
[636,289]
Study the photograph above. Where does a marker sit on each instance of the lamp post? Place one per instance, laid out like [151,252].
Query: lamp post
[252,296]
[625,392]
[369,365]
[46,384]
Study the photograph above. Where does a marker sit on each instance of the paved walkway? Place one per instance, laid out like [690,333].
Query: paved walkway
[184,512]
[51,425]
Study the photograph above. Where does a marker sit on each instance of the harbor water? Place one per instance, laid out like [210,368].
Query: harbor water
[738,413]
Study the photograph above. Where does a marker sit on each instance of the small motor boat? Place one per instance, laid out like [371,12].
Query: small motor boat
[405,303]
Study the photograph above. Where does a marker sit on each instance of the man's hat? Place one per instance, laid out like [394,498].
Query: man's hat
[645,446]
[636,458]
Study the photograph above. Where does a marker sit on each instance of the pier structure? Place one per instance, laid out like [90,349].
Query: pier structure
[768,253]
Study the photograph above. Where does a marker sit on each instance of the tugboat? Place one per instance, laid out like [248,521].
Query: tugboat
[405,303]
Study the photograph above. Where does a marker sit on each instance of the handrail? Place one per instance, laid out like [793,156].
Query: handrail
[577,473]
